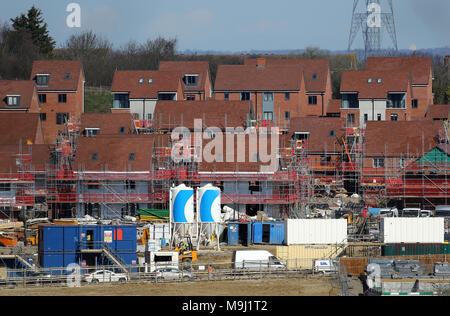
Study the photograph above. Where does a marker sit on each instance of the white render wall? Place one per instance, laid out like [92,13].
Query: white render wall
[137,106]
[413,230]
[316,231]
[365,107]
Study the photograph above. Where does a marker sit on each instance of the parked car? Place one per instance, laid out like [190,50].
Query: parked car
[105,276]
[388,212]
[173,274]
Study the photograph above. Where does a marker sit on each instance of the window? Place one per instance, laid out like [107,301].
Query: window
[43,117]
[5,187]
[287,96]
[94,156]
[380,81]
[93,186]
[62,118]
[254,186]
[62,98]
[312,100]
[268,116]
[350,118]
[191,80]
[141,81]
[150,80]
[402,163]
[379,117]
[91,132]
[167,96]
[149,116]
[366,117]
[13,100]
[287,115]
[226,96]
[190,97]
[245,96]
[67,76]
[268,97]
[378,163]
[394,117]
[332,133]
[42,98]
[132,157]
[314,76]
[415,103]
[370,80]
[42,80]
[122,130]
[131,185]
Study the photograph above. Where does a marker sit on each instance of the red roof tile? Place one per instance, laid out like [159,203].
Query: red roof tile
[249,78]
[222,114]
[315,70]
[439,112]
[109,123]
[18,128]
[161,81]
[113,153]
[184,68]
[401,137]
[419,67]
[357,81]
[58,71]
[24,88]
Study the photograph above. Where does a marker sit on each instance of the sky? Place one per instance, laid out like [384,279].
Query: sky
[238,25]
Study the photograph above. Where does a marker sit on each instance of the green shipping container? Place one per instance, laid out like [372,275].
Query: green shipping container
[396,250]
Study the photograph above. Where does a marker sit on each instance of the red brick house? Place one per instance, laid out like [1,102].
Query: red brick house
[276,92]
[195,77]
[317,78]
[375,96]
[137,92]
[421,72]
[60,88]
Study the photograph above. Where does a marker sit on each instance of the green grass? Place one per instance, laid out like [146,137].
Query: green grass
[98,101]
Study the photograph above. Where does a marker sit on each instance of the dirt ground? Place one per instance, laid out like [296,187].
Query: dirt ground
[314,286]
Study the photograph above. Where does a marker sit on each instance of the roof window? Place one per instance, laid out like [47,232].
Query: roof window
[141,80]
[370,80]
[380,81]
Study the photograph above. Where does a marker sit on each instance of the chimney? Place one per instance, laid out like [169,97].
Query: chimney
[447,60]
[260,63]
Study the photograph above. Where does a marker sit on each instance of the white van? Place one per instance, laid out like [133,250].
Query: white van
[160,259]
[326,267]
[256,260]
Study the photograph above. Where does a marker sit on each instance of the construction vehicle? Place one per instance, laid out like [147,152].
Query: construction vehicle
[186,251]
[145,236]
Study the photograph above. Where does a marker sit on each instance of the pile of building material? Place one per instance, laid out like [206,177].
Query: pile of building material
[405,269]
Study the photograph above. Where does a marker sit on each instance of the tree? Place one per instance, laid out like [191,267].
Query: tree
[34,24]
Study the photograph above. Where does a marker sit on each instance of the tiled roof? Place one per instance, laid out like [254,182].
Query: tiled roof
[112,153]
[161,81]
[109,123]
[20,127]
[222,114]
[245,156]
[419,67]
[315,70]
[401,137]
[438,112]
[324,132]
[64,74]
[200,68]
[24,88]
[357,81]
[250,78]
[40,156]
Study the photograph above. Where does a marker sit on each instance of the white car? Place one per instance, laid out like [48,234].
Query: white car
[105,276]
[172,274]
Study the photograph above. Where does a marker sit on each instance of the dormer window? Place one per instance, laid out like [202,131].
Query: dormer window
[13,100]
[191,80]
[42,80]
[370,80]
